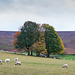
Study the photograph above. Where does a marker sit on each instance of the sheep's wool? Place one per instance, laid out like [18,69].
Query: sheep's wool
[65,65]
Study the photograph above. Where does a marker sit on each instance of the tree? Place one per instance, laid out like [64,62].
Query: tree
[39,46]
[29,35]
[16,40]
[53,42]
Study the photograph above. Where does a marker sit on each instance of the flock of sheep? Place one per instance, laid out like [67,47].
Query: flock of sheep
[8,60]
[19,63]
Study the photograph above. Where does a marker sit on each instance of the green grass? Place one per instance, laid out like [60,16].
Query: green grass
[65,57]
[35,66]
[69,57]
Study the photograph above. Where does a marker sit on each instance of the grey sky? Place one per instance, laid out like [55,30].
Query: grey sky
[58,13]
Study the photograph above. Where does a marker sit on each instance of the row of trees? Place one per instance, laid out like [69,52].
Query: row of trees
[40,39]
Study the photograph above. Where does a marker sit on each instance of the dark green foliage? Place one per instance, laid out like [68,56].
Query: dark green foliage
[29,35]
[54,43]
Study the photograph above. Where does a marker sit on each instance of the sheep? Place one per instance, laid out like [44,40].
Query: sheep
[1,62]
[1,50]
[18,63]
[54,57]
[65,65]
[7,51]
[45,56]
[25,54]
[7,60]
[15,59]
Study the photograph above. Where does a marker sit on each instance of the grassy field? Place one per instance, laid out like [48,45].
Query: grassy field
[65,57]
[35,66]
[69,57]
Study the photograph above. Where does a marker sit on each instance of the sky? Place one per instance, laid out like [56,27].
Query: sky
[58,13]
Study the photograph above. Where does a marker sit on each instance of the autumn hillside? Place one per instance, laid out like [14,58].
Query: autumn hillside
[68,37]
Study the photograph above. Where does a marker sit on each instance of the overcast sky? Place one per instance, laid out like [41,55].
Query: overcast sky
[58,13]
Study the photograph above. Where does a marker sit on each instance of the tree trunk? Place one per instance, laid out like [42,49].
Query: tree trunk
[28,52]
[31,52]
[37,54]
[48,55]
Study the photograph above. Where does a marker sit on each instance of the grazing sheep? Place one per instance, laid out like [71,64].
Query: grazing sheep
[45,56]
[25,54]
[15,59]
[65,65]
[54,57]
[1,62]
[7,60]
[18,63]
[7,51]
[1,50]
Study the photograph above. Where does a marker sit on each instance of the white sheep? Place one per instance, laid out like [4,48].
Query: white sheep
[1,50]
[15,59]
[54,57]
[25,54]
[7,51]
[45,56]
[7,60]
[1,62]
[18,63]
[65,65]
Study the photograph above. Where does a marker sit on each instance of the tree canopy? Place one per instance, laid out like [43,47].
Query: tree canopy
[44,39]
[39,46]
[53,42]
[29,35]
